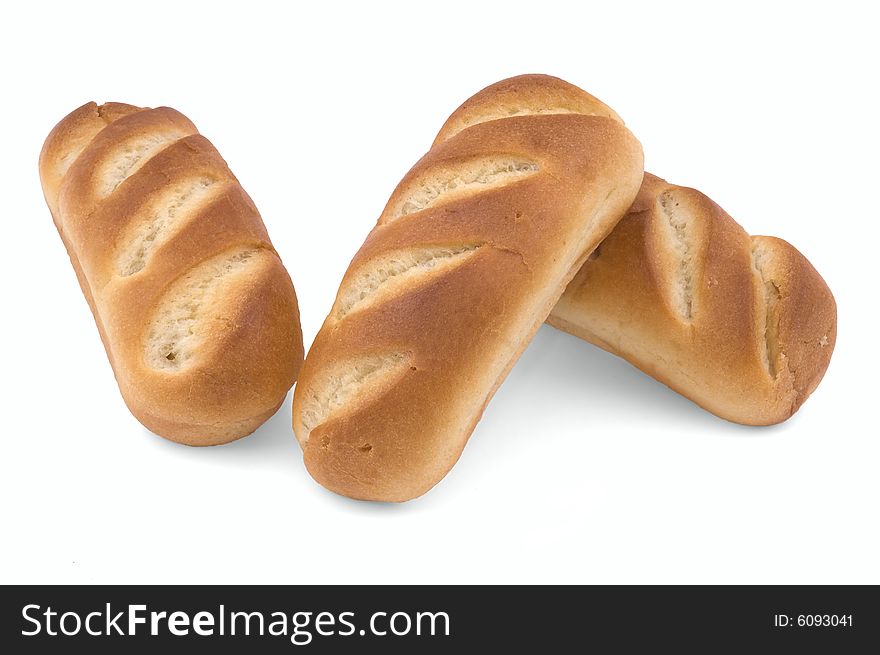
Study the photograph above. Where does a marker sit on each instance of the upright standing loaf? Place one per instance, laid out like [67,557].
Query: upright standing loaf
[469,256]
[196,311]
[743,326]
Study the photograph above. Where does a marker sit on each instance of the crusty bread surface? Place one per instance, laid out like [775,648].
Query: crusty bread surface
[743,326]
[472,251]
[195,309]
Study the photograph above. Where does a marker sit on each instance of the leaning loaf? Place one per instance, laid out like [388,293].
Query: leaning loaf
[743,326]
[197,314]
[472,251]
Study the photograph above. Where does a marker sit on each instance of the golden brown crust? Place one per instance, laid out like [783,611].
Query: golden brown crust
[154,221]
[473,249]
[763,322]
[523,95]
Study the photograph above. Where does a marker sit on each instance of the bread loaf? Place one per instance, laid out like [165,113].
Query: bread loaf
[743,326]
[472,251]
[196,311]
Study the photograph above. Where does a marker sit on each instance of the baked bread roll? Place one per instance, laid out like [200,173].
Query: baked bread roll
[472,251]
[196,311]
[743,326]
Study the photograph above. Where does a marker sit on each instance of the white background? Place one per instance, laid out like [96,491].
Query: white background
[583,469]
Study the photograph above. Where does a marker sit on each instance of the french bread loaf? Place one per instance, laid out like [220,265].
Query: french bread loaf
[469,256]
[743,326]
[195,309]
